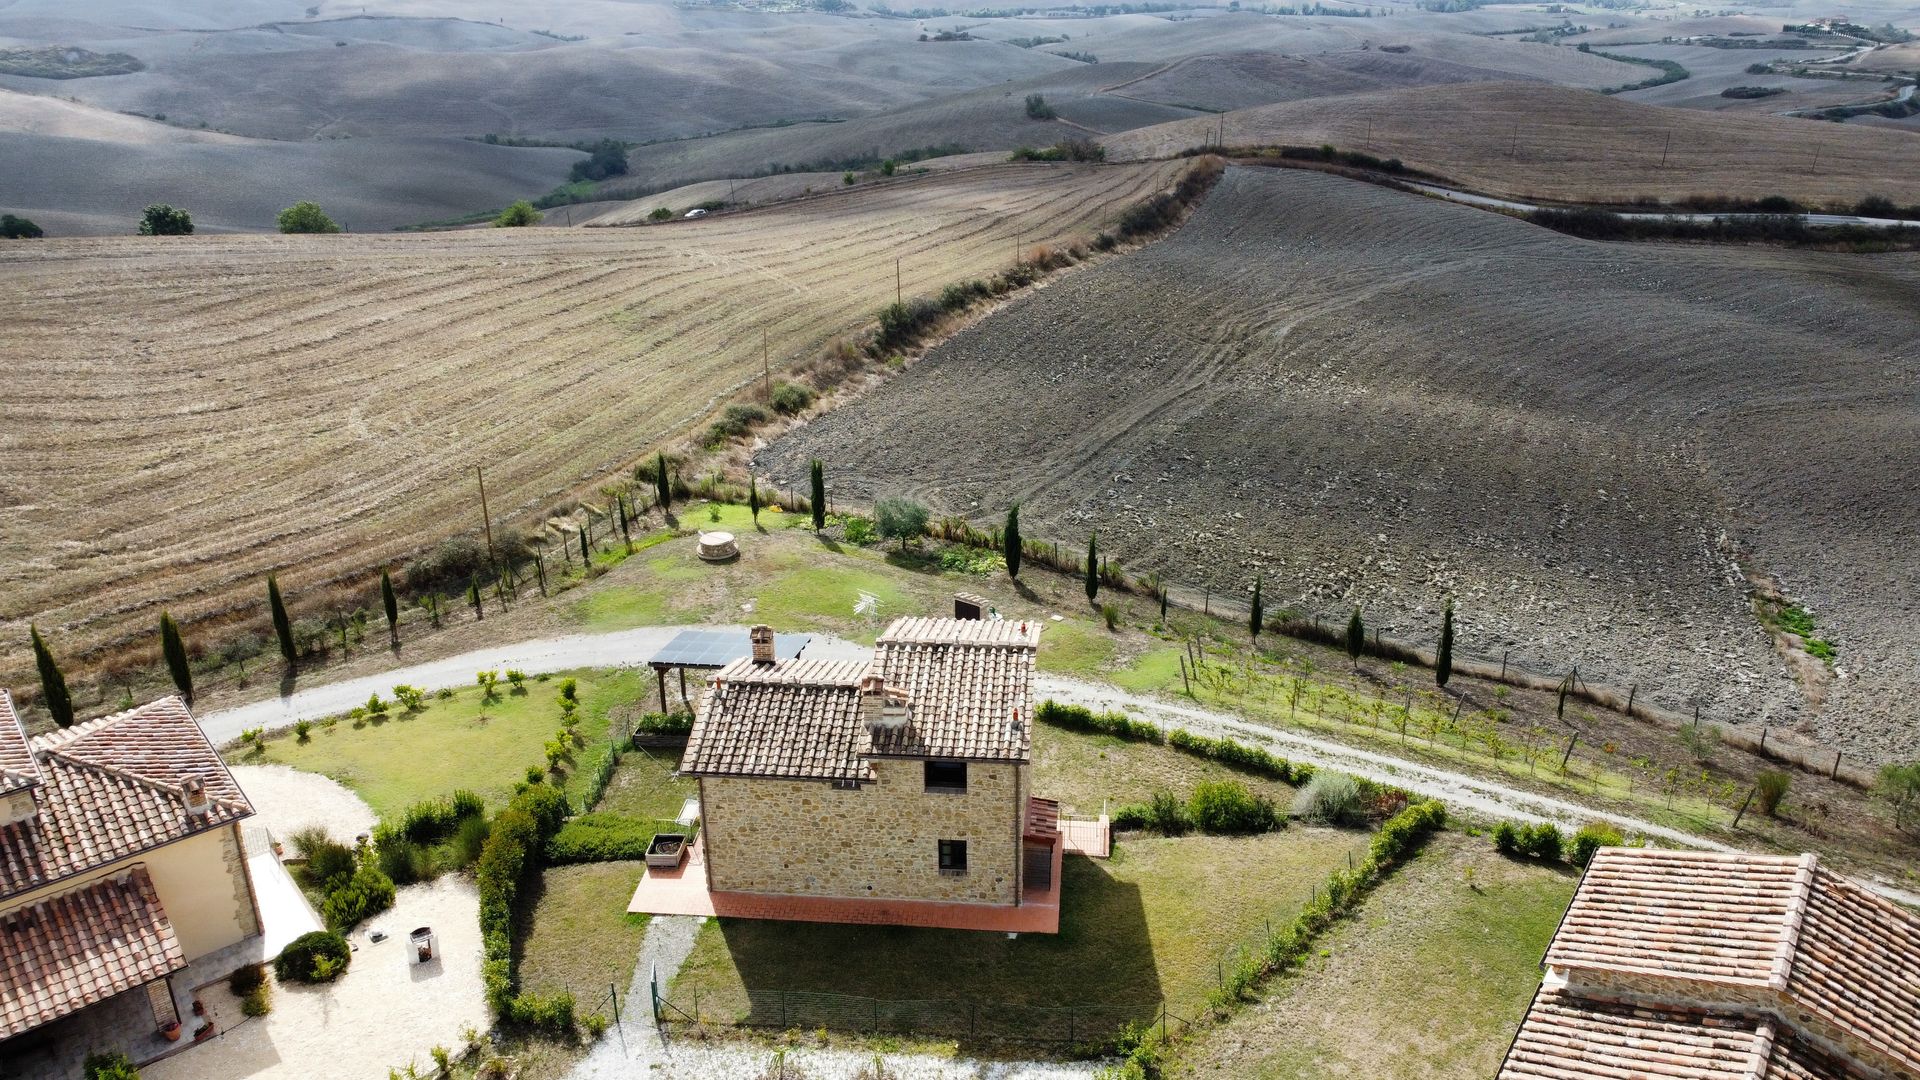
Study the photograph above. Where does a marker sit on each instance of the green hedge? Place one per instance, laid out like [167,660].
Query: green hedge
[1080,718]
[509,858]
[604,838]
[367,892]
[1235,755]
[679,723]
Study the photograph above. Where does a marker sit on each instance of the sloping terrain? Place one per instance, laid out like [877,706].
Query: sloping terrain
[78,170]
[1368,397]
[1554,143]
[1243,80]
[183,415]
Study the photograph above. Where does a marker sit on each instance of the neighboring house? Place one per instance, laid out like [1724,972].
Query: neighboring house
[1706,966]
[894,790]
[121,862]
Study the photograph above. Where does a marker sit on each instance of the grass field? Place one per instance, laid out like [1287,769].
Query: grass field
[456,743]
[318,404]
[1428,981]
[643,786]
[1559,144]
[1142,929]
[581,938]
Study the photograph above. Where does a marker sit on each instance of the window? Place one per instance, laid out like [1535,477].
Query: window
[947,777]
[953,856]
[846,785]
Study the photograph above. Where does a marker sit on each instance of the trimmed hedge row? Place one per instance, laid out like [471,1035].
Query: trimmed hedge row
[509,859]
[604,838]
[1544,842]
[1235,755]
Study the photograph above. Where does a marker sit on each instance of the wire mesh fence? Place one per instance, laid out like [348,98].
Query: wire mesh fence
[943,1018]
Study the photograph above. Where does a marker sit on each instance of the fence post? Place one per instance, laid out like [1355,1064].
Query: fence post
[1835,774]
[1743,806]
[1503,663]
[783,1009]
[1069,1025]
[1631,692]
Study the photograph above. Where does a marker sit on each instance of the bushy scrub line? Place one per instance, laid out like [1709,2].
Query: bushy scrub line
[1544,842]
[1789,229]
[510,859]
[1235,755]
[1398,840]
[604,838]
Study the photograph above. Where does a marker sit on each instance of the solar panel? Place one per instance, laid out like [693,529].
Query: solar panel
[709,648]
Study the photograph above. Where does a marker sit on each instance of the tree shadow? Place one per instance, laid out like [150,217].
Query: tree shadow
[995,996]
[830,543]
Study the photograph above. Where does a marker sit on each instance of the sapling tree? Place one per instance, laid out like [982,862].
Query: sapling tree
[900,519]
[1010,541]
[1443,657]
[473,597]
[1356,637]
[175,651]
[53,684]
[282,626]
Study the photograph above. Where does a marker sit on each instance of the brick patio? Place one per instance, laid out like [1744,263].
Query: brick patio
[683,891]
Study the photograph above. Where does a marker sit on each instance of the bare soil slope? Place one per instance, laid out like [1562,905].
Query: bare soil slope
[184,414]
[1370,397]
[1552,143]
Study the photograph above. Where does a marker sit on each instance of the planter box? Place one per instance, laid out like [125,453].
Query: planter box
[667,850]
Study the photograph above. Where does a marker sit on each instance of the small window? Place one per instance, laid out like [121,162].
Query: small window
[846,785]
[947,777]
[953,856]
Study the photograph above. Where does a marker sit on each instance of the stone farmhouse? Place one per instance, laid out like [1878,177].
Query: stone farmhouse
[121,863]
[1697,966]
[890,791]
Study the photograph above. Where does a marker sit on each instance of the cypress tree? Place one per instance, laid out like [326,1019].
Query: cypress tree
[392,603]
[626,529]
[817,494]
[282,626]
[1253,622]
[753,498]
[1010,537]
[1443,659]
[662,483]
[1163,605]
[175,650]
[473,597]
[1356,637]
[586,558]
[1093,568]
[53,685]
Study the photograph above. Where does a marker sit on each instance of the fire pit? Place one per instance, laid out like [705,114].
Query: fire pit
[667,849]
[423,944]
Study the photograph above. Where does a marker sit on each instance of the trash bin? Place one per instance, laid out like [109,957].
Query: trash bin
[423,944]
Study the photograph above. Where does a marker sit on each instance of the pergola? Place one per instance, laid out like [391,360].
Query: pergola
[711,650]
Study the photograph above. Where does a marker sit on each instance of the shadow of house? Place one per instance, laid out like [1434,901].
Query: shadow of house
[1077,986]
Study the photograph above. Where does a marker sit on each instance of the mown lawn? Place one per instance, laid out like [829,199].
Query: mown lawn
[1427,982]
[455,742]
[643,786]
[1088,773]
[581,938]
[1147,927]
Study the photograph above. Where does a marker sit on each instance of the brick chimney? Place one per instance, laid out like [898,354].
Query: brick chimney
[762,638]
[882,707]
[199,804]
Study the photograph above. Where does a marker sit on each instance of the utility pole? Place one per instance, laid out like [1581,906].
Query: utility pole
[1016,249]
[766,366]
[486,519]
[1664,149]
[1369,143]
[896,281]
[1816,160]
[1514,147]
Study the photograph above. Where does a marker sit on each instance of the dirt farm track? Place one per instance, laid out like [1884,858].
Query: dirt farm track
[183,415]
[1366,396]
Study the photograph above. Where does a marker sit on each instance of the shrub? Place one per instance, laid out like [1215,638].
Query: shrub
[604,838]
[306,217]
[109,1065]
[511,853]
[303,731]
[246,979]
[1769,788]
[859,530]
[1038,109]
[1080,718]
[1331,798]
[902,322]
[318,956]
[1506,838]
[900,519]
[19,228]
[435,819]
[791,397]
[469,839]
[404,862]
[451,563]
[549,1014]
[736,421]
[1226,806]
[257,1002]
[163,220]
[1111,615]
[327,860]
[367,892]
[1589,840]
[660,213]
[1248,759]
[518,215]
[679,723]
[1541,841]
[608,157]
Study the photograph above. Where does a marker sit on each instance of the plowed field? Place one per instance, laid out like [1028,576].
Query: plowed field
[182,415]
[1370,397]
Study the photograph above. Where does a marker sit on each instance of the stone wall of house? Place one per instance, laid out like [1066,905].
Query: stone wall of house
[881,841]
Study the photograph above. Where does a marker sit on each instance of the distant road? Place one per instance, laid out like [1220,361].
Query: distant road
[1815,220]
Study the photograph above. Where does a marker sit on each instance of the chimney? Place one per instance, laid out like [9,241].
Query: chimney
[198,803]
[882,707]
[762,637]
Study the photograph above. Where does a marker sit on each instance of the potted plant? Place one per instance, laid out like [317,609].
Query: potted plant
[170,1031]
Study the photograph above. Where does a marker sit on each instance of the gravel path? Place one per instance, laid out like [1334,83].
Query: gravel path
[285,800]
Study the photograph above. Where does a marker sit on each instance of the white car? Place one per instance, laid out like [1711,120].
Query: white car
[696,213]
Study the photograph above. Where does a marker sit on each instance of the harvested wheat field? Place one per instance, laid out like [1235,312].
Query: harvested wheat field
[1365,396]
[1553,143]
[185,414]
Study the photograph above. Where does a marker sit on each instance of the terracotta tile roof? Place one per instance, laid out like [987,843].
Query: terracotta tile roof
[113,788]
[80,947]
[966,685]
[1700,915]
[1570,1038]
[794,718]
[16,760]
[1857,968]
[970,685]
[1825,974]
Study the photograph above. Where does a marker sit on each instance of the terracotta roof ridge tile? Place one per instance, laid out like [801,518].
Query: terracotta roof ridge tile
[1761,1061]
[1789,949]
